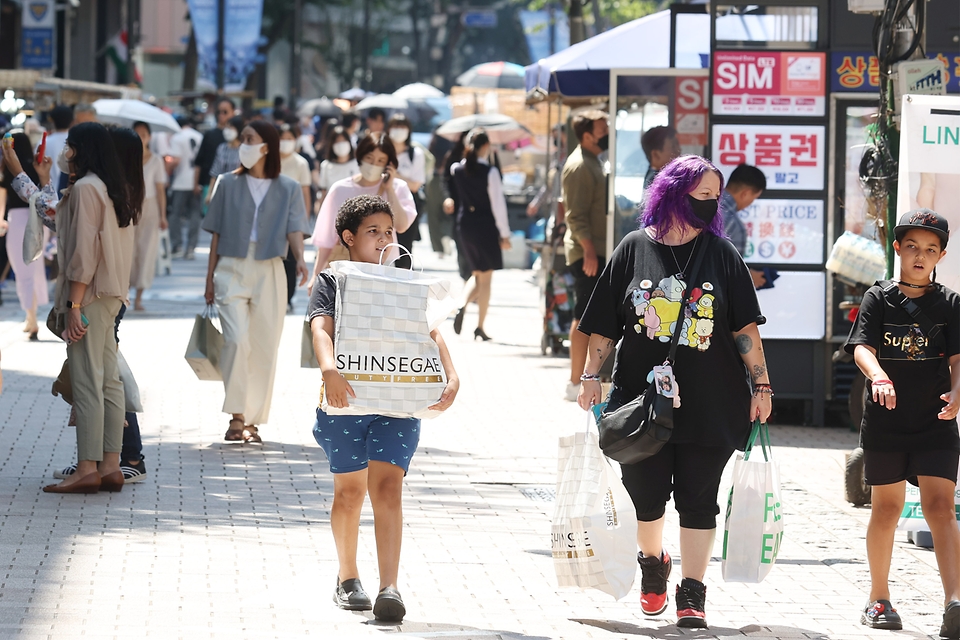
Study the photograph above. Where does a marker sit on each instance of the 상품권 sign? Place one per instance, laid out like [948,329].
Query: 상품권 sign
[790,156]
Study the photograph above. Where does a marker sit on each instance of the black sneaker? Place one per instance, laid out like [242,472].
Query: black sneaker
[691,600]
[389,606]
[951,620]
[880,614]
[133,472]
[350,596]
[653,583]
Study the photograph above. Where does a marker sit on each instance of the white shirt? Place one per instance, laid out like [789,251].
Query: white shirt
[331,172]
[258,190]
[296,166]
[416,169]
[154,173]
[55,142]
[184,146]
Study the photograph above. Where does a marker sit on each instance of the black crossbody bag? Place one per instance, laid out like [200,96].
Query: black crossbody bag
[930,329]
[641,427]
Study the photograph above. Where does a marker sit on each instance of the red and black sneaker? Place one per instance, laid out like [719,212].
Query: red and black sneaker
[691,599]
[653,583]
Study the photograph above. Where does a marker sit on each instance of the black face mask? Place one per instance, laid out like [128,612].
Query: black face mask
[705,210]
[603,143]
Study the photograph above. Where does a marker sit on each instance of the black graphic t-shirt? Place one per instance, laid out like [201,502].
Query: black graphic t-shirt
[914,365]
[637,298]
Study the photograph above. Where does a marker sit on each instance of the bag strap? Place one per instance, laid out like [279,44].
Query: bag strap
[930,329]
[675,341]
[762,433]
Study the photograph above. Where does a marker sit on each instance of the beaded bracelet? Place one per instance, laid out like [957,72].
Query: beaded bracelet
[760,389]
[590,376]
[882,382]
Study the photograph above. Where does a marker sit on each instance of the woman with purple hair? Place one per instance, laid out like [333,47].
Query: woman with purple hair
[640,298]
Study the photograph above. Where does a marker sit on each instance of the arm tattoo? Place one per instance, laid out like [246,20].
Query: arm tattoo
[744,344]
[758,371]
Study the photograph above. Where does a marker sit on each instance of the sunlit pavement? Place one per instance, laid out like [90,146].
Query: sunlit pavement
[228,541]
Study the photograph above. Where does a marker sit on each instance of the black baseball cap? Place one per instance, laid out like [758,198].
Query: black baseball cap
[926,220]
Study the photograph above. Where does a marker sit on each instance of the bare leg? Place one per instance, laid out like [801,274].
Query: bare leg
[579,342]
[470,290]
[111,463]
[386,487]
[696,545]
[937,501]
[349,490]
[138,301]
[649,535]
[30,325]
[886,505]
[484,281]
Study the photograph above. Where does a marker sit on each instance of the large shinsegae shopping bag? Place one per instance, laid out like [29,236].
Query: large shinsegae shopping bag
[754,525]
[203,350]
[382,339]
[594,529]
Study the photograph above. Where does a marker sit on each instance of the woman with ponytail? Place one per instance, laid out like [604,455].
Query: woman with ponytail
[482,223]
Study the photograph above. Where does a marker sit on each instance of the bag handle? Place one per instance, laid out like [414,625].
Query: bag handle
[210,311]
[688,289]
[404,249]
[762,433]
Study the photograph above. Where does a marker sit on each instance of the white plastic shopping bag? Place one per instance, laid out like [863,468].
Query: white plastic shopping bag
[594,531]
[382,339]
[754,525]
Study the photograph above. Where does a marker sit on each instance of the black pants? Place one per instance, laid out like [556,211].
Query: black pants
[132,447]
[290,270]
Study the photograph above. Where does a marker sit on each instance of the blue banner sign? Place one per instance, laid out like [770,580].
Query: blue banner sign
[242,22]
[860,71]
[36,35]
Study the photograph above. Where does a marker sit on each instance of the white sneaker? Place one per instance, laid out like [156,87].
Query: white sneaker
[573,390]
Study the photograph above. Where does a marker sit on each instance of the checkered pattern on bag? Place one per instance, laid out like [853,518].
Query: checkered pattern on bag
[384,314]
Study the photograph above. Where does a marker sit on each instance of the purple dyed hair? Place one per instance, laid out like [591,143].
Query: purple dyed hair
[667,205]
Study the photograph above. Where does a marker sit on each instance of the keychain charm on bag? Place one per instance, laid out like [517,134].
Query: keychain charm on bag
[666,383]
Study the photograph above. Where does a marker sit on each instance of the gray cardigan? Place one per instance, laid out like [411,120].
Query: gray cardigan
[231,210]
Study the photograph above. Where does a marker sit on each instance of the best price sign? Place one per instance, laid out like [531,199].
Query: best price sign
[790,156]
[764,83]
[784,231]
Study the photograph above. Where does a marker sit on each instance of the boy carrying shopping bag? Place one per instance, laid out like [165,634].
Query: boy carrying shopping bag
[906,340]
[369,450]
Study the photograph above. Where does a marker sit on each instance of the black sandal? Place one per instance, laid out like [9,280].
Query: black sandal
[234,435]
[880,614]
[251,435]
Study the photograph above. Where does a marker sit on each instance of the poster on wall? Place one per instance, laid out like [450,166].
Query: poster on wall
[242,20]
[794,307]
[790,156]
[769,83]
[930,168]
[784,231]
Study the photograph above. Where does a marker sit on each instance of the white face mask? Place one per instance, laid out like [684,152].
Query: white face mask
[250,154]
[398,135]
[62,163]
[341,149]
[288,146]
[229,134]
[370,172]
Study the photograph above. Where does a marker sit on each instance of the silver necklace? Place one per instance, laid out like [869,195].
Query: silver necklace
[681,274]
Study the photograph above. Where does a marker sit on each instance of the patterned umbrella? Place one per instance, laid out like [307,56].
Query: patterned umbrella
[493,75]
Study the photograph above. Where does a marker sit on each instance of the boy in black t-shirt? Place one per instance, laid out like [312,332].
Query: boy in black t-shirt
[365,450]
[906,340]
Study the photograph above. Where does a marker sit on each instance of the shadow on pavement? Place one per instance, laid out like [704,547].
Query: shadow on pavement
[454,632]
[672,631]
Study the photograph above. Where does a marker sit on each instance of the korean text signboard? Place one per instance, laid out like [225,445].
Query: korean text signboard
[692,110]
[36,36]
[769,83]
[784,231]
[860,71]
[791,156]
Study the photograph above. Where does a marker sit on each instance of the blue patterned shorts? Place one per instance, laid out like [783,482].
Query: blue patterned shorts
[350,442]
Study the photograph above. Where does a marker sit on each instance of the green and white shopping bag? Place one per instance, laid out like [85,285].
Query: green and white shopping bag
[754,525]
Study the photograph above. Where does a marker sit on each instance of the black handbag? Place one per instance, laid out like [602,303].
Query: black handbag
[641,427]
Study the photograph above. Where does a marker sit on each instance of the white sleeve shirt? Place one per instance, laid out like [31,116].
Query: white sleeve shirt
[498,202]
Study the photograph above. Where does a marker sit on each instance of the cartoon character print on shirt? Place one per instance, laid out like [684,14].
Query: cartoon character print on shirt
[658,310]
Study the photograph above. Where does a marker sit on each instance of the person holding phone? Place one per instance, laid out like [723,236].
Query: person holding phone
[31,277]
[377,177]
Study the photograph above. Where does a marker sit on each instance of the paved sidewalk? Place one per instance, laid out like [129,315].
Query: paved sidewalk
[228,541]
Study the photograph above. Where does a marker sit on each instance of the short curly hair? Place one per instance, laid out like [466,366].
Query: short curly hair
[353,211]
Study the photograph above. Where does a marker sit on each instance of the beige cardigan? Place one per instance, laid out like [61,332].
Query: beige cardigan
[91,246]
